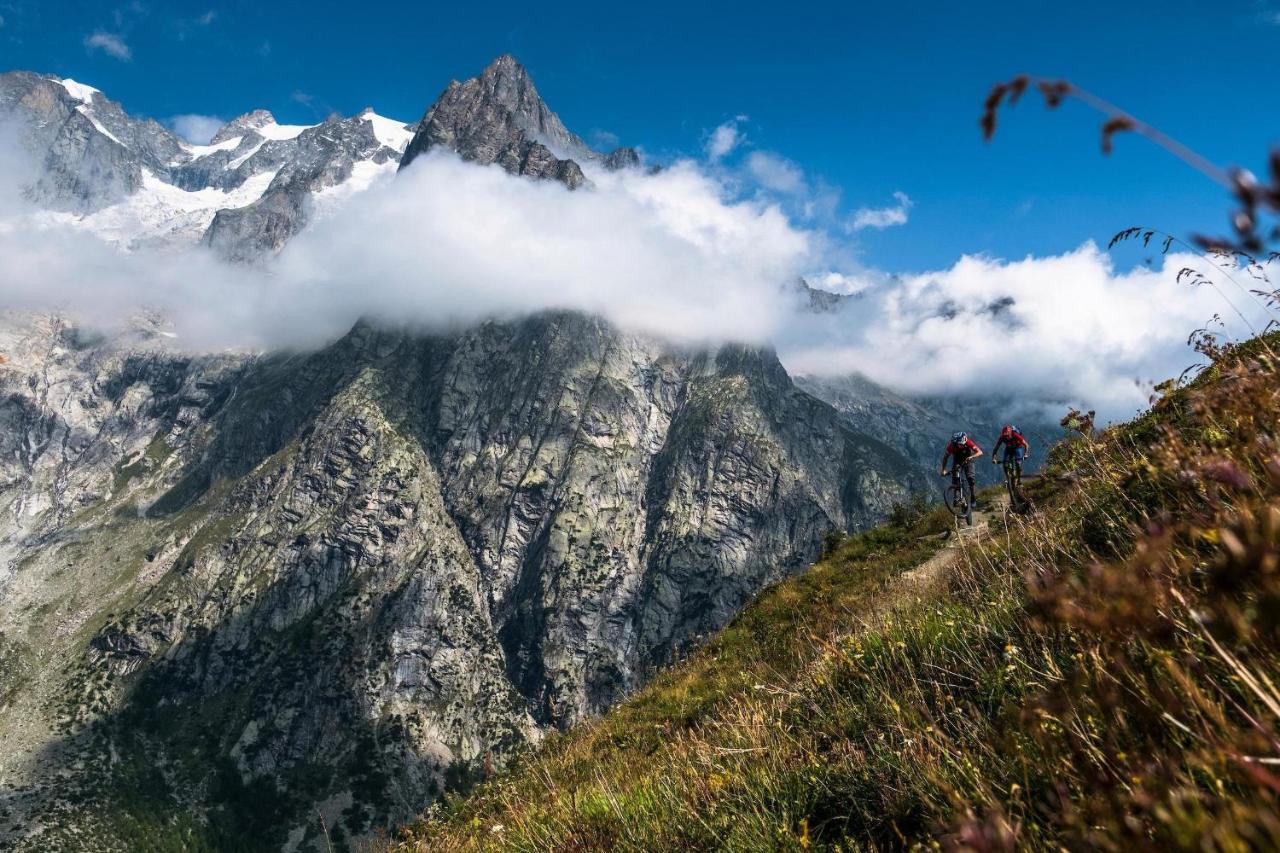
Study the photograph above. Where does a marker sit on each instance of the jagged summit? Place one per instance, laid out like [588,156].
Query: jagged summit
[499,117]
[254,120]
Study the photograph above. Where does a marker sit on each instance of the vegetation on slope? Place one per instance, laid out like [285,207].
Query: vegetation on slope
[1102,674]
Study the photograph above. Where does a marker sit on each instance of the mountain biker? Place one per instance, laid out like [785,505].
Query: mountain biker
[963,451]
[1016,448]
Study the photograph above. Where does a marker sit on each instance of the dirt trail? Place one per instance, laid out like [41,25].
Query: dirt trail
[912,585]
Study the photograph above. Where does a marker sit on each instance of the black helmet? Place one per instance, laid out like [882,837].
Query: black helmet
[959,437]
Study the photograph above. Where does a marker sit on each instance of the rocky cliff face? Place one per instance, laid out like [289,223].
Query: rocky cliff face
[355,576]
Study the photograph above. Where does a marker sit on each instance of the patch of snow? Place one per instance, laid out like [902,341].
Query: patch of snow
[79,91]
[198,151]
[388,131]
[160,213]
[87,112]
[364,174]
[271,130]
[240,161]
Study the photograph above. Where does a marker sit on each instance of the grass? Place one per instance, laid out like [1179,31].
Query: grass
[1099,675]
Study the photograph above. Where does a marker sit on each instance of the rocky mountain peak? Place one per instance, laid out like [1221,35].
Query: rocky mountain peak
[499,117]
[505,82]
[243,124]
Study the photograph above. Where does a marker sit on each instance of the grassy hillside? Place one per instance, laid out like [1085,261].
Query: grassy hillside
[1101,674]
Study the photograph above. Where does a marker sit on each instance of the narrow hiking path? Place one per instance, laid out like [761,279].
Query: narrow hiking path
[913,584]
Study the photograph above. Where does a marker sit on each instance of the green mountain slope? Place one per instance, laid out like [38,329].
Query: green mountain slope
[1098,675]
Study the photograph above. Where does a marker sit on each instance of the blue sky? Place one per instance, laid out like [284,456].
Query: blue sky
[867,99]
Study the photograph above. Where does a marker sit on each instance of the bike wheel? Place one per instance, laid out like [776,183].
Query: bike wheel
[958,501]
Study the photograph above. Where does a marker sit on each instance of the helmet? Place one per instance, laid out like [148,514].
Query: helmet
[959,437]
[1010,429]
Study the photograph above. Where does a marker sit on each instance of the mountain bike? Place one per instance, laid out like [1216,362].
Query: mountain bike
[1013,483]
[959,498]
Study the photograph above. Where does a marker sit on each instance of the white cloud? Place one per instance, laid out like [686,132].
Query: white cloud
[110,44]
[725,138]
[670,254]
[1068,328]
[775,173]
[842,282]
[207,18]
[451,242]
[1,20]
[196,129]
[883,217]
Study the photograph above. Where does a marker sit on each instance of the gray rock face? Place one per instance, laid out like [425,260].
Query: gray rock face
[90,152]
[250,122]
[499,117]
[920,427]
[622,158]
[380,564]
[319,158]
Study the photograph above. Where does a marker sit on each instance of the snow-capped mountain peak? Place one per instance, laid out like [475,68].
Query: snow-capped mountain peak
[394,134]
[79,91]
[133,182]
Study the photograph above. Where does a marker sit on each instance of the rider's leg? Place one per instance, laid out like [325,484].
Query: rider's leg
[973,489]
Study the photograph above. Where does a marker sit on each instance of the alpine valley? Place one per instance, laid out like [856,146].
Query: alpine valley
[240,589]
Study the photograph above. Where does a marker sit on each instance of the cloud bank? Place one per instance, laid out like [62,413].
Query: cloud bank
[1069,328]
[682,254]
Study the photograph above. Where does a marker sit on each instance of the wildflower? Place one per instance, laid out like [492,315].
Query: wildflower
[497,828]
